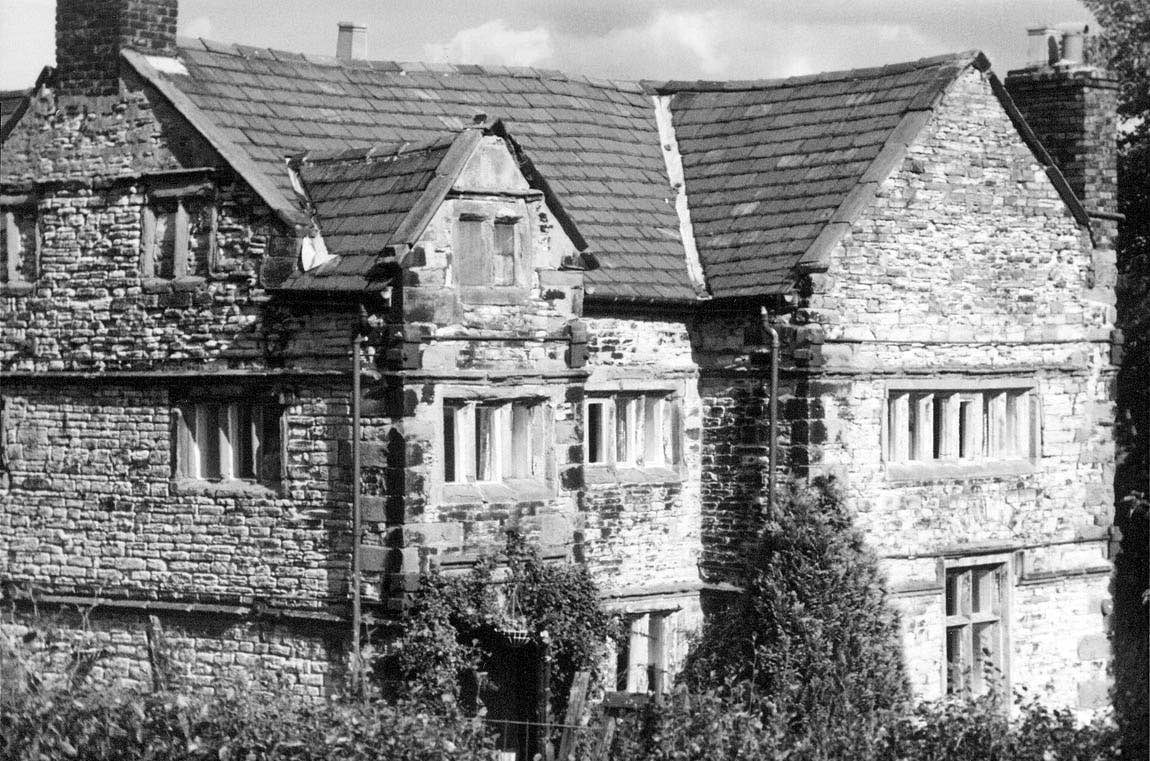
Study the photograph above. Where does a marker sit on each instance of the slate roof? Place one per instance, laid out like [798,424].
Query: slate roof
[365,200]
[595,142]
[775,170]
[768,163]
[362,201]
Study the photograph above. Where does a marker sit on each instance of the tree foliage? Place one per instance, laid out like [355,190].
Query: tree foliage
[1125,50]
[442,638]
[812,630]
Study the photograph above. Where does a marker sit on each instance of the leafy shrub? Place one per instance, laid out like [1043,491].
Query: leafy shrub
[552,602]
[812,629]
[738,722]
[246,723]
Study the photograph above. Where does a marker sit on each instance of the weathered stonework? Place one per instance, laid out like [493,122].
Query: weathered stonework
[966,266]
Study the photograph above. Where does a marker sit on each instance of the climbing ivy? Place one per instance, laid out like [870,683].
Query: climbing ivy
[513,595]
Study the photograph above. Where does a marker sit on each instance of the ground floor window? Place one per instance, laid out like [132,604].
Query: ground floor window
[226,440]
[641,660]
[975,628]
[492,441]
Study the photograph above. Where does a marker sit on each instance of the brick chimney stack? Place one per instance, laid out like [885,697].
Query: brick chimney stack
[90,34]
[1072,107]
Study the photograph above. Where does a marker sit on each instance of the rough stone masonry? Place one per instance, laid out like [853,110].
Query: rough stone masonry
[558,287]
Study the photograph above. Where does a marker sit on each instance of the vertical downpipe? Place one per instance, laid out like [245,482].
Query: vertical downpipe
[773,430]
[356,518]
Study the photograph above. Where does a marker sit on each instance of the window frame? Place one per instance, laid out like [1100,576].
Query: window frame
[917,443]
[642,659]
[626,439]
[482,268]
[26,270]
[192,426]
[187,201]
[512,424]
[967,620]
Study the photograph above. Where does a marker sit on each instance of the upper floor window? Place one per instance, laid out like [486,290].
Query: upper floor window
[229,440]
[489,250]
[970,426]
[975,598]
[19,244]
[169,231]
[640,430]
[493,441]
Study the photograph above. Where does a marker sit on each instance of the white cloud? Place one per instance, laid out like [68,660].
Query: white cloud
[494,42]
[27,41]
[699,33]
[200,26]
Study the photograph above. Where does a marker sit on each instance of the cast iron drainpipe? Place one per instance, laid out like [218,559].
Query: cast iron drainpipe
[773,429]
[356,518]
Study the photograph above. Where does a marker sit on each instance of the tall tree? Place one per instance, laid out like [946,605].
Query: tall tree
[1124,48]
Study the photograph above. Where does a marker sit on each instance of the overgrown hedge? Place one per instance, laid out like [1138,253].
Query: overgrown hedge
[243,724]
[742,724]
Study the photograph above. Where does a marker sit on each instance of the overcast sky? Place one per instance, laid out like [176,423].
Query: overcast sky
[631,39]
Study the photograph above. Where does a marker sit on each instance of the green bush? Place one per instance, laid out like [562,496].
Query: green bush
[812,629]
[246,723]
[556,603]
[740,723]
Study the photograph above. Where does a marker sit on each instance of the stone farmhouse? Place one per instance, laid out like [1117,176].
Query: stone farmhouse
[279,332]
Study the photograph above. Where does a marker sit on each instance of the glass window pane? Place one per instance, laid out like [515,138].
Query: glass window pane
[469,254]
[522,449]
[449,434]
[504,259]
[956,668]
[243,444]
[486,444]
[595,447]
[652,431]
[938,427]
[165,241]
[986,671]
[209,440]
[952,593]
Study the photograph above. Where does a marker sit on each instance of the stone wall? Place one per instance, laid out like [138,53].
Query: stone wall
[642,525]
[203,653]
[967,268]
[91,504]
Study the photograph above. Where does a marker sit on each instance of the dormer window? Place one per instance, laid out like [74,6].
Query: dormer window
[489,250]
[178,229]
[165,246]
[19,244]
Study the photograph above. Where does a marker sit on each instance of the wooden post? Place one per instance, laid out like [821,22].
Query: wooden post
[576,702]
[603,744]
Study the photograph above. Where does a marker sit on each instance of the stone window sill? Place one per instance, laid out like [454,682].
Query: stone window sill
[234,488]
[945,471]
[19,288]
[623,474]
[185,283]
[512,490]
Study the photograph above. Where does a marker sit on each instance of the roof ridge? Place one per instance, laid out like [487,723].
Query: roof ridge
[380,151]
[398,67]
[732,85]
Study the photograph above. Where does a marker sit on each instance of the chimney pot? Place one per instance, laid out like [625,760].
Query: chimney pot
[352,41]
[1039,51]
[1071,49]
